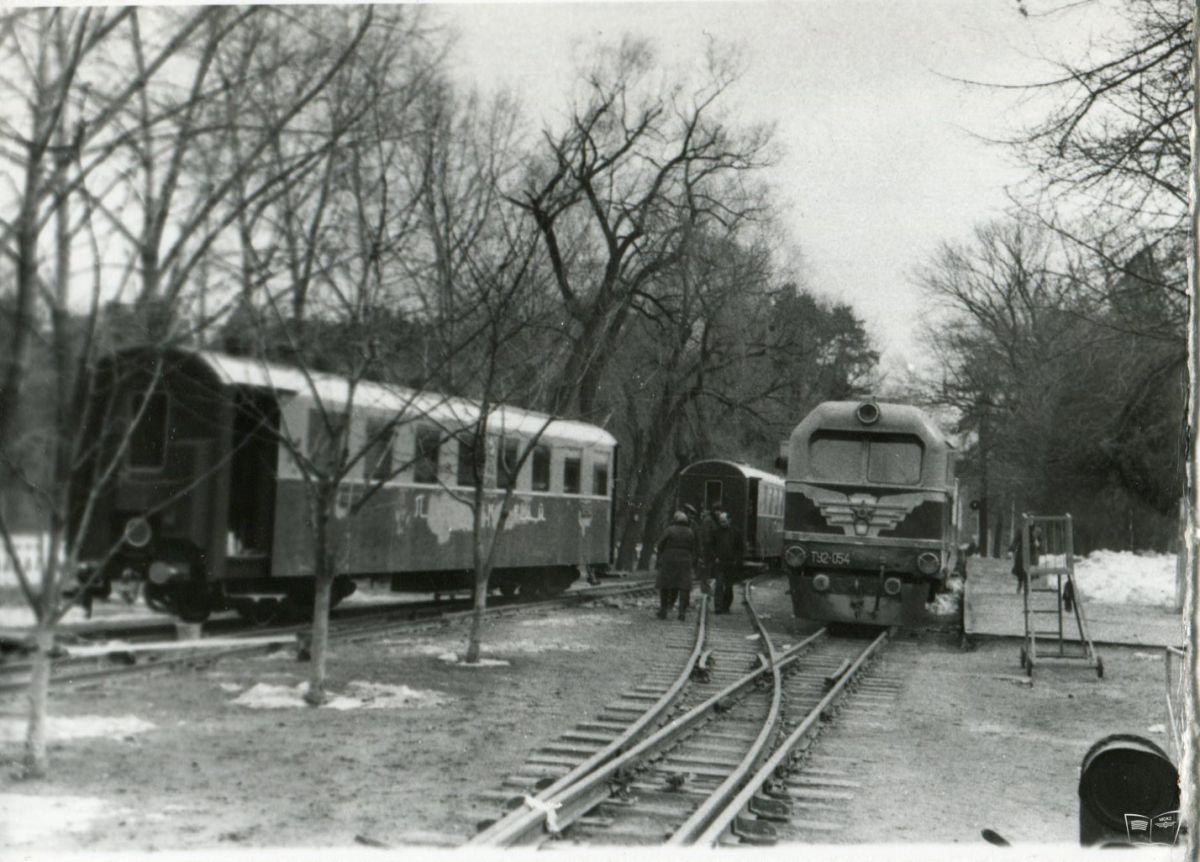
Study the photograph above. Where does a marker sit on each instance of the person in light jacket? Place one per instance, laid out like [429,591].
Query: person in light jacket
[677,549]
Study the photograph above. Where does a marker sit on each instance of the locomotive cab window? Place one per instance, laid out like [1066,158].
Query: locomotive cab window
[148,442]
[895,462]
[877,459]
[541,467]
[429,445]
[572,470]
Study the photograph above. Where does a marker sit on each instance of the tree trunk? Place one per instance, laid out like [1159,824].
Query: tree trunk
[39,695]
[315,696]
[475,639]
[482,560]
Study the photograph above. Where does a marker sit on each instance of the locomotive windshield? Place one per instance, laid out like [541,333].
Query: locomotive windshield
[877,459]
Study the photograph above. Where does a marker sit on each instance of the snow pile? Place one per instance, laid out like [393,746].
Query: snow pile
[60,728]
[25,819]
[359,695]
[1125,578]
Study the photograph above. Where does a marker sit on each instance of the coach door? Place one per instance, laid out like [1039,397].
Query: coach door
[750,527]
[252,477]
[712,493]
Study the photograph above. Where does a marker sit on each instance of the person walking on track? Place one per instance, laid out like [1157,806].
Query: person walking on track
[677,550]
[726,549]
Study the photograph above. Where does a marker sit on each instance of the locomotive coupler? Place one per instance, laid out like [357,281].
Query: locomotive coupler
[856,602]
[878,591]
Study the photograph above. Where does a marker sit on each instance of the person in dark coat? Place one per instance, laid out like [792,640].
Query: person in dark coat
[726,548]
[1018,555]
[705,532]
[677,549]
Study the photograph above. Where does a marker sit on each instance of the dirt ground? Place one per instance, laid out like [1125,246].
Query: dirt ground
[183,765]
[203,771]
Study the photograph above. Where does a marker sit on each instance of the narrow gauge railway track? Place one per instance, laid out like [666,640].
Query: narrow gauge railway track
[145,657]
[696,778]
[153,629]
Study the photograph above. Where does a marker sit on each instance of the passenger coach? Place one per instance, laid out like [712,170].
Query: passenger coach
[208,507]
[870,519]
[753,499]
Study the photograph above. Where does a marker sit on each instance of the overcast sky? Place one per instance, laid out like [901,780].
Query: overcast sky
[882,155]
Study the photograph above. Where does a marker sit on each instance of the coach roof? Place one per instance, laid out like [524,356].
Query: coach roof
[334,391]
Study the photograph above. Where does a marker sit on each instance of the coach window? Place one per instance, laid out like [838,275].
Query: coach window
[148,443]
[541,467]
[507,453]
[572,468]
[324,430]
[378,457]
[600,479]
[429,445]
[468,464]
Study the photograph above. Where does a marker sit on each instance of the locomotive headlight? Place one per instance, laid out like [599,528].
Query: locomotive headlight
[929,563]
[861,527]
[138,532]
[892,586]
[867,413]
[795,555]
[821,583]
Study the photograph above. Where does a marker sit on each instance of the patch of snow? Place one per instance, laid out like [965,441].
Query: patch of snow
[945,604]
[1148,656]
[562,620]
[60,728]
[523,645]
[1157,728]
[358,695]
[452,658]
[229,687]
[1126,578]
[25,819]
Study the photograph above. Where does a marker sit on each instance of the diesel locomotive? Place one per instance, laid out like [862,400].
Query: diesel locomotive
[207,508]
[870,513]
[752,498]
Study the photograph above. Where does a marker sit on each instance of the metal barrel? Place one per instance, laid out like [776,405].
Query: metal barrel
[1124,779]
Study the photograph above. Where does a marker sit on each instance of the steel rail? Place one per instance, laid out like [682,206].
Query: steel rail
[720,822]
[716,801]
[517,821]
[83,669]
[576,800]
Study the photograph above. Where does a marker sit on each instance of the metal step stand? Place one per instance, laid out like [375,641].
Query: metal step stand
[1051,597]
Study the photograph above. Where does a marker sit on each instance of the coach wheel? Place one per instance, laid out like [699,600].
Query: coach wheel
[532,588]
[508,589]
[193,606]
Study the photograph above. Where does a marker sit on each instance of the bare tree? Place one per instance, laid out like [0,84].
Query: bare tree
[117,155]
[640,163]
